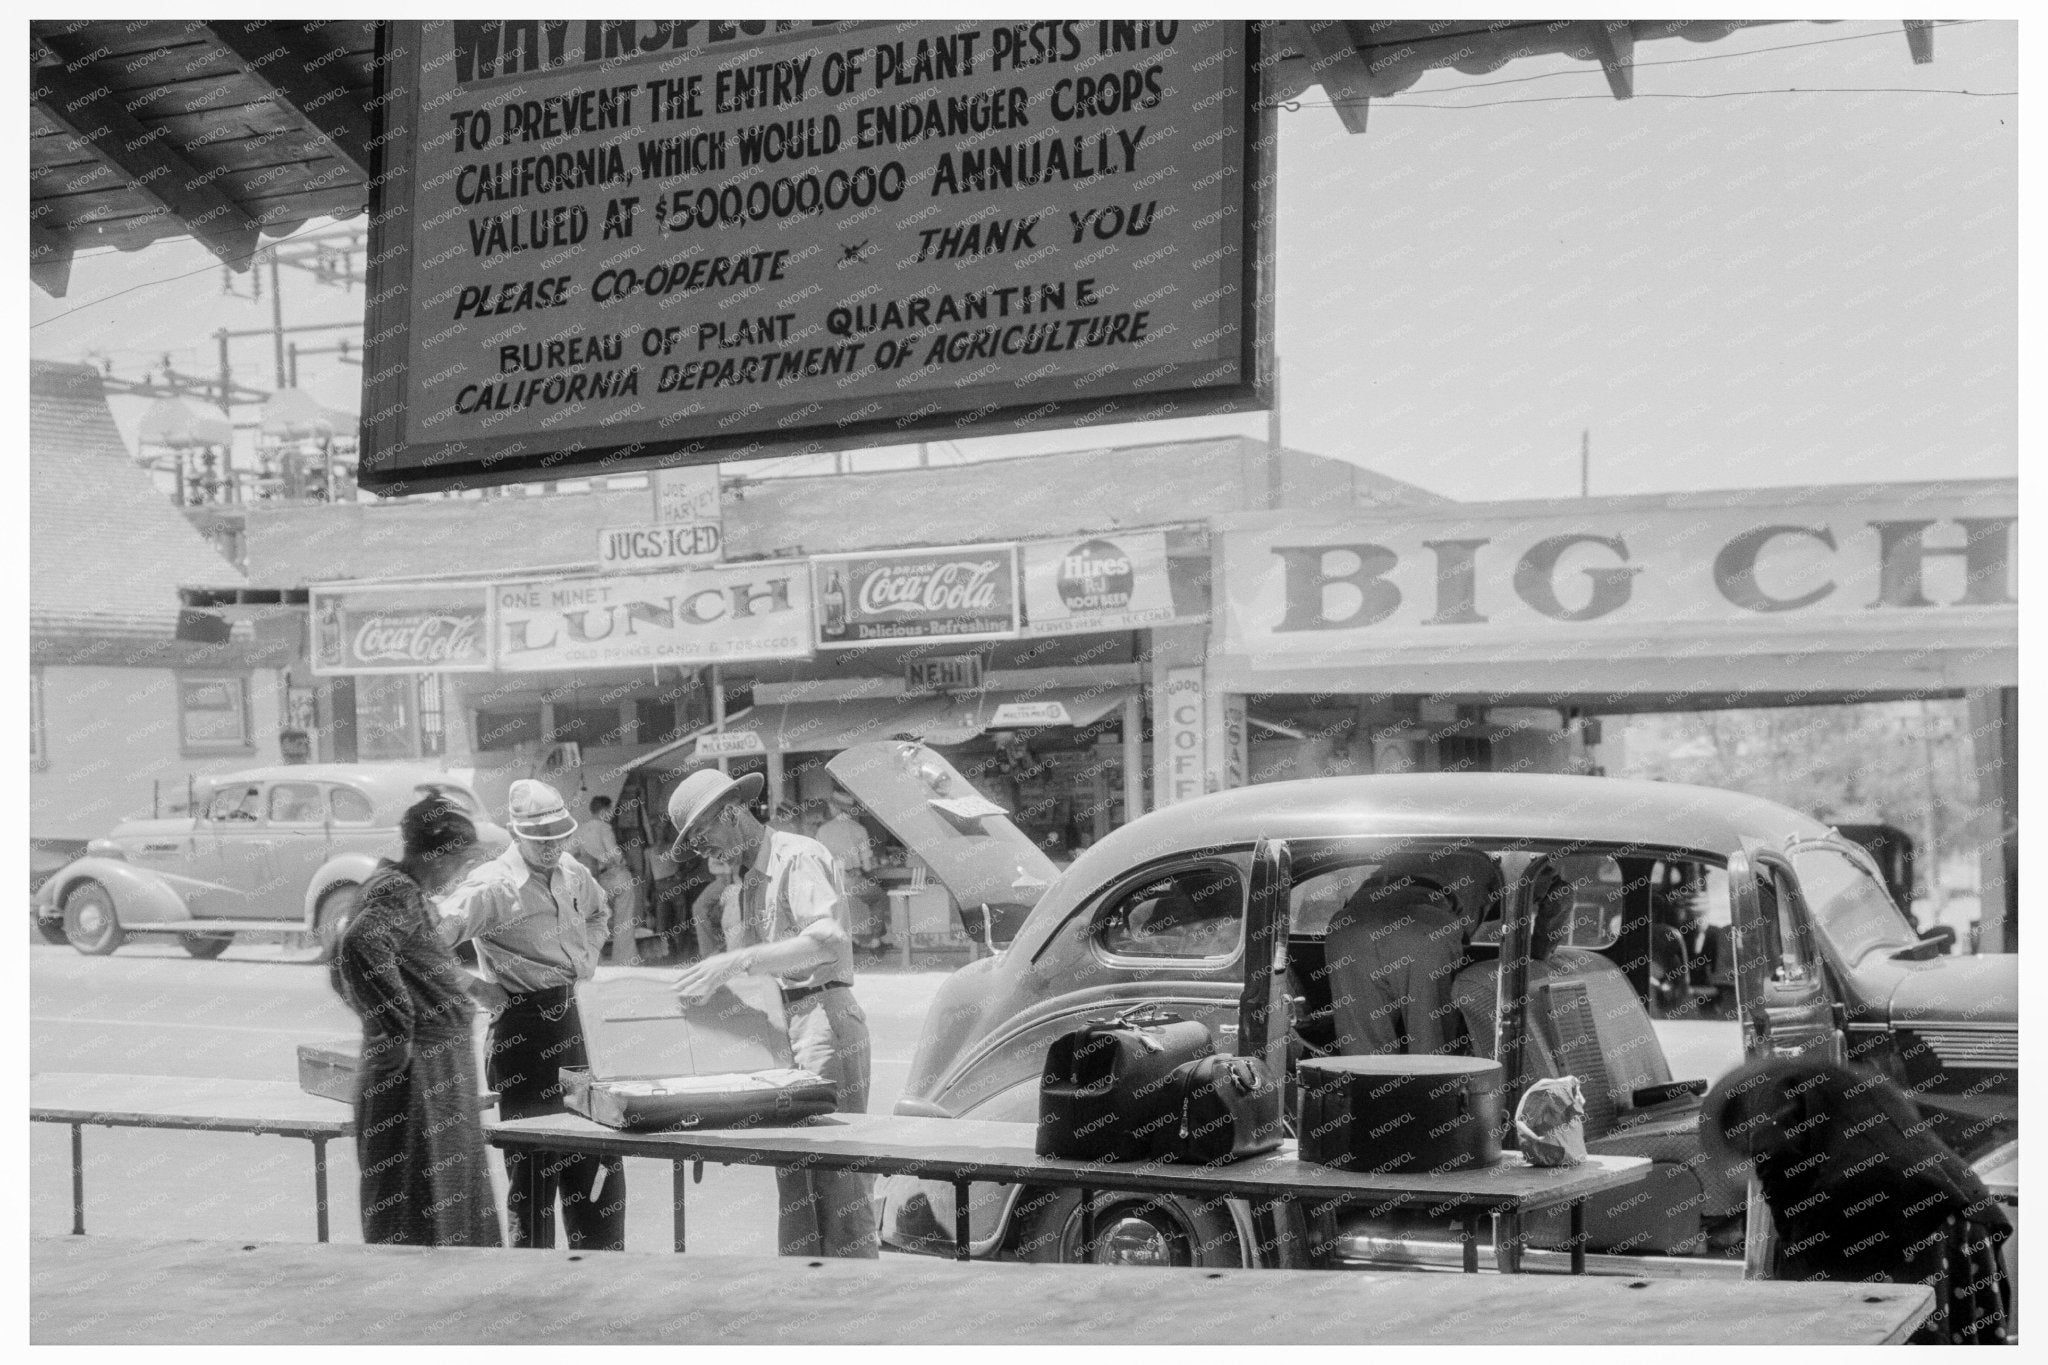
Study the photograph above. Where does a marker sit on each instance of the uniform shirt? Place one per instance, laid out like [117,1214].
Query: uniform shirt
[790,884]
[531,934]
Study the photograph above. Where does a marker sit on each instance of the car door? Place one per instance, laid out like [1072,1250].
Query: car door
[1782,999]
[1781,993]
[227,848]
[295,846]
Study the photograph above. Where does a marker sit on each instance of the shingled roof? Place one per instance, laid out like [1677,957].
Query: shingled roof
[107,550]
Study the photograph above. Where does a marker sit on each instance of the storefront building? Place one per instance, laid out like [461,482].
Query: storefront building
[126,703]
[1020,614]
[1495,636]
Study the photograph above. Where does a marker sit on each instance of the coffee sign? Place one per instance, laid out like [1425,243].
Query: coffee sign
[961,592]
[437,628]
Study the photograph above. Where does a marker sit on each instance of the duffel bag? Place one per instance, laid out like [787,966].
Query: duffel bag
[1107,1090]
[1227,1108]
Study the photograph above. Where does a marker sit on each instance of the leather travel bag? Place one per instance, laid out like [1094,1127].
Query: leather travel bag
[1228,1108]
[1108,1089]
[1396,1113]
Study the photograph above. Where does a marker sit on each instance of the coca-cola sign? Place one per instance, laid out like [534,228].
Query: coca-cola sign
[961,592]
[428,628]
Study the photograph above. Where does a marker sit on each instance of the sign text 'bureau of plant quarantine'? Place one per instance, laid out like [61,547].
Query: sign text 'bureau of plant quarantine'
[600,244]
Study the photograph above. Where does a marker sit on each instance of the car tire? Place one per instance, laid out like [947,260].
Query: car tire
[1130,1229]
[331,917]
[206,947]
[90,924]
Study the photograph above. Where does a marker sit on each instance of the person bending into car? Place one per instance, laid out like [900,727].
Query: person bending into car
[790,924]
[419,1141]
[539,923]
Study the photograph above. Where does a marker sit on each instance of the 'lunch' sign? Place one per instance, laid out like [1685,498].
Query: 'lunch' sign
[605,244]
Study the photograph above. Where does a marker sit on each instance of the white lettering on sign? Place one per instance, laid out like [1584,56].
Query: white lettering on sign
[612,236]
[418,640]
[949,587]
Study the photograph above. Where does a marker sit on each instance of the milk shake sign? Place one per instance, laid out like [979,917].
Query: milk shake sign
[704,616]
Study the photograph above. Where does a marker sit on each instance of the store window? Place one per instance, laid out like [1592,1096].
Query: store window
[507,728]
[590,726]
[656,720]
[433,717]
[213,713]
[386,708]
[1192,912]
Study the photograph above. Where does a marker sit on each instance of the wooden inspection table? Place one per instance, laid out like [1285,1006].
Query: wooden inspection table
[95,1291]
[196,1102]
[965,1151]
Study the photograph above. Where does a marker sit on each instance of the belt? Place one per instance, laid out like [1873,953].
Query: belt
[546,995]
[792,994]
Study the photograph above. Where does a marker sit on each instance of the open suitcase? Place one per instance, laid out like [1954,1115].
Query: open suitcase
[657,1063]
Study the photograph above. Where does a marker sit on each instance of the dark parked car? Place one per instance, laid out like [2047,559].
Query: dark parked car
[1605,916]
[264,851]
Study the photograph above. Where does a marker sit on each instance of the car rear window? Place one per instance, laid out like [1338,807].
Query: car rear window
[350,806]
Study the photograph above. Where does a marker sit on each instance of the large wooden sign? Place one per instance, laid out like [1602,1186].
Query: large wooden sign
[609,244]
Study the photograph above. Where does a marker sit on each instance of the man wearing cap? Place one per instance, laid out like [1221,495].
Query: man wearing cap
[539,921]
[790,926]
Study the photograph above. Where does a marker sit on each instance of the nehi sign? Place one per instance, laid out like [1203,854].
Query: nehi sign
[600,244]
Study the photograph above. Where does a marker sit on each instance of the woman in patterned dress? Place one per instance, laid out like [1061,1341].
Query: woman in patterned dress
[419,1140]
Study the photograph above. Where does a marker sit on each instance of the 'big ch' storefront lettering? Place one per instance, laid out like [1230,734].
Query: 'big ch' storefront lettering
[1352,584]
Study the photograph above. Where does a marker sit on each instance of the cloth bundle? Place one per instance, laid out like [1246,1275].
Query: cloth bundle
[1550,1122]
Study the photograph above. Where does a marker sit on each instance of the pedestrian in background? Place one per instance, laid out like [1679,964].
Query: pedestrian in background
[419,1140]
[539,921]
[853,854]
[791,925]
[597,848]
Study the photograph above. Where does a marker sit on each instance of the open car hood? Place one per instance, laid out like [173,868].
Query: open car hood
[968,841]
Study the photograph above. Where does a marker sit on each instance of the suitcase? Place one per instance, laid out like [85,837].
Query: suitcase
[1395,1113]
[1107,1091]
[658,1064]
[329,1071]
[1228,1108]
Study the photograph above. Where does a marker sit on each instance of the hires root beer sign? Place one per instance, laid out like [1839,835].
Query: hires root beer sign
[437,628]
[961,592]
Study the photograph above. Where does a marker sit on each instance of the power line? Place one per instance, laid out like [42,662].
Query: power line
[1383,105]
[207,269]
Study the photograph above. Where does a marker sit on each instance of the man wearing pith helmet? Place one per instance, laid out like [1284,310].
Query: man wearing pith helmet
[791,926]
[539,921]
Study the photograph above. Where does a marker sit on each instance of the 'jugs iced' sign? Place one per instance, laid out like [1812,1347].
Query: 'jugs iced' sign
[966,592]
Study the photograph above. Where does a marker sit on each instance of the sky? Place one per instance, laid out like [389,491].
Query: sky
[1811,285]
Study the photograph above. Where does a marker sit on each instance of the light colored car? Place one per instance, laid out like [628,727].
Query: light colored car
[269,850]
[1609,918]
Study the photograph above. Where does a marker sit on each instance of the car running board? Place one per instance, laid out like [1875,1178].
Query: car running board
[215,926]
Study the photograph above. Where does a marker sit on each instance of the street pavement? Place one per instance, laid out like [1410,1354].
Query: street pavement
[149,1009]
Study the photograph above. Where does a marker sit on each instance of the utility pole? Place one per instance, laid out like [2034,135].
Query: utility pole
[277,317]
[1586,462]
[1275,477]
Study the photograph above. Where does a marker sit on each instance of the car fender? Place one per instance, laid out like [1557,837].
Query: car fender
[989,1205]
[342,867]
[141,896]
